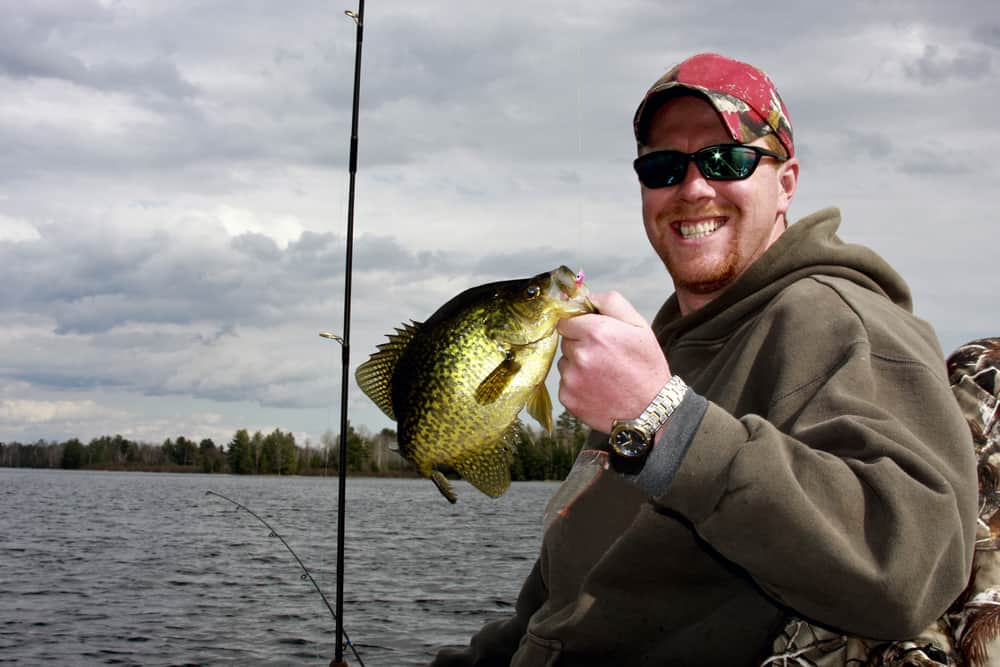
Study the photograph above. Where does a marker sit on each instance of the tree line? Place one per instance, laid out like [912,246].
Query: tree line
[539,455]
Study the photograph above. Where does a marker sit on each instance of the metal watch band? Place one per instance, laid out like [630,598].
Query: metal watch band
[632,439]
[663,404]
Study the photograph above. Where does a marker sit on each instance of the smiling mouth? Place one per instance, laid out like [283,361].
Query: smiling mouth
[698,229]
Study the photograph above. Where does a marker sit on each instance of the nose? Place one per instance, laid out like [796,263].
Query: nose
[695,186]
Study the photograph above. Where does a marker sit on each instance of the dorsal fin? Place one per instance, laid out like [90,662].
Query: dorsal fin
[488,468]
[375,375]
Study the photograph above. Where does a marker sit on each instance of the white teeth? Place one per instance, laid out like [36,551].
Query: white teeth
[696,230]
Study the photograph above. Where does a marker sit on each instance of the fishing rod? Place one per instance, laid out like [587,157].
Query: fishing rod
[344,340]
[305,572]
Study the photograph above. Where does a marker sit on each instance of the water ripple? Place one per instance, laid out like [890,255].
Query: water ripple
[145,569]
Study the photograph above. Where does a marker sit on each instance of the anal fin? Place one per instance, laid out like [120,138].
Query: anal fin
[488,468]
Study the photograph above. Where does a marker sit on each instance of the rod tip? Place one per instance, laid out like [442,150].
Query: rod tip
[331,336]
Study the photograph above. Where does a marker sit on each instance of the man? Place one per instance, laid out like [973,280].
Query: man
[783,439]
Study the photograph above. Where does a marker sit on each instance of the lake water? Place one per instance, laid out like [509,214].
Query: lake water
[101,568]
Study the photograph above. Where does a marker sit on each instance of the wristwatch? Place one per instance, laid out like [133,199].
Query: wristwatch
[633,438]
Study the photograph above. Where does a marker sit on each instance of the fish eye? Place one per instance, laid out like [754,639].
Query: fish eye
[532,291]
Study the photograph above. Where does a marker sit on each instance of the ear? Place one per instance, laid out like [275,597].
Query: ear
[788,179]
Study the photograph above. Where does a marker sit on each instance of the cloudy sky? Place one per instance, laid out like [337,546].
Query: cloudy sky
[173,180]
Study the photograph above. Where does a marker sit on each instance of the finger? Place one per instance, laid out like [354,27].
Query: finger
[613,304]
[576,328]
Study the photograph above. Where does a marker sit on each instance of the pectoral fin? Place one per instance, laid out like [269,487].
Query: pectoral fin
[493,386]
[540,407]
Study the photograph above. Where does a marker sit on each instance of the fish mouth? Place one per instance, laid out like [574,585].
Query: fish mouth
[568,287]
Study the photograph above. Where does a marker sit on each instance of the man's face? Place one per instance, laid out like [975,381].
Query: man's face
[709,232]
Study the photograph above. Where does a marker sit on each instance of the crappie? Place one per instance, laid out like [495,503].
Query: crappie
[456,383]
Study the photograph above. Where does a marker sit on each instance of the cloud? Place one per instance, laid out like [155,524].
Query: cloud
[988,33]
[33,46]
[172,315]
[96,280]
[935,65]
[173,182]
[27,421]
[876,145]
[936,159]
[14,230]
[17,414]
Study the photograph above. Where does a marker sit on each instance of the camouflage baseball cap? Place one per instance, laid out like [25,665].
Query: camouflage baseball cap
[745,97]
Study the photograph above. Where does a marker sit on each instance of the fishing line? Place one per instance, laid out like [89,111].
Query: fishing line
[579,139]
[305,572]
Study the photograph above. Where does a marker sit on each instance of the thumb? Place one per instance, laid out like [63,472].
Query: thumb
[615,305]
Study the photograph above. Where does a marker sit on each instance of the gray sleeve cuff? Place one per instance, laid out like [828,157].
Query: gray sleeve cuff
[671,446]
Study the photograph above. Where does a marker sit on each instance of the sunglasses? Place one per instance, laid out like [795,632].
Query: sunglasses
[725,162]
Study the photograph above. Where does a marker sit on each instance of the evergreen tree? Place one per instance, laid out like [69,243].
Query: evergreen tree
[288,455]
[357,449]
[72,455]
[270,459]
[210,456]
[185,452]
[239,453]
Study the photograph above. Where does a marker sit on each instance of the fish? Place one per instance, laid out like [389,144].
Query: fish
[456,383]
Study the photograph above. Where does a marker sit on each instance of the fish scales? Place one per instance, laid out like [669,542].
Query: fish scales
[458,381]
[442,401]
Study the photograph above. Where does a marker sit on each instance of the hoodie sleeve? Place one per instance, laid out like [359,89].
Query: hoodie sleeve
[850,496]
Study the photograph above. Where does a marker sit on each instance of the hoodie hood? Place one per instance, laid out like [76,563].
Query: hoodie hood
[808,247]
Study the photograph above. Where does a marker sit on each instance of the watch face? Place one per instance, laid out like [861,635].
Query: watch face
[629,441]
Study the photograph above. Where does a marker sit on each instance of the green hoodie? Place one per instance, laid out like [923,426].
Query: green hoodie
[818,464]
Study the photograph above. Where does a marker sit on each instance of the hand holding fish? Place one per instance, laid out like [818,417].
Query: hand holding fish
[611,365]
